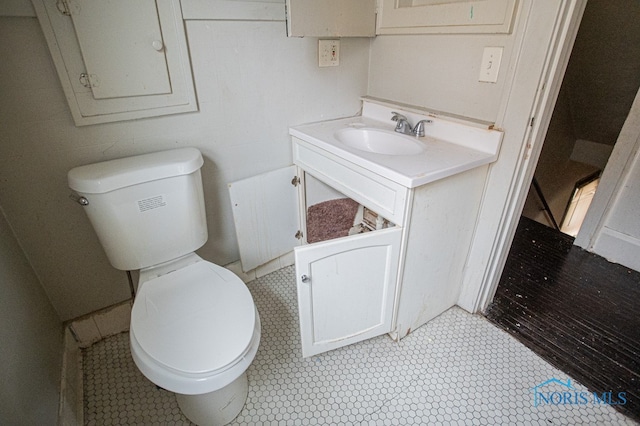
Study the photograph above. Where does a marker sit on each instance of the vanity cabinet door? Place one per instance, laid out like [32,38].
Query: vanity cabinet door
[265,214]
[346,289]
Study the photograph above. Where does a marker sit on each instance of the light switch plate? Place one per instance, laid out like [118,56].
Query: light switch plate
[490,65]
[328,53]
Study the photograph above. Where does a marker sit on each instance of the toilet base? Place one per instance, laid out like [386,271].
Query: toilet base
[216,408]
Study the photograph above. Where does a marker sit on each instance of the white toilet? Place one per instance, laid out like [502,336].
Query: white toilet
[194,327]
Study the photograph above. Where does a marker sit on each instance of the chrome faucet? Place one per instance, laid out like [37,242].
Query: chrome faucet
[419,129]
[403,126]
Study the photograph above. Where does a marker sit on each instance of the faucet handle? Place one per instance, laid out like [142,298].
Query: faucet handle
[396,116]
[419,129]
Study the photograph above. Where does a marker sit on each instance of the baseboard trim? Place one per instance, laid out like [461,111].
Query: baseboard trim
[262,270]
[71,410]
[618,248]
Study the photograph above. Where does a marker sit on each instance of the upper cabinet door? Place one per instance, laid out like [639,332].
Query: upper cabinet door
[122,47]
[117,59]
[346,289]
[331,18]
[445,16]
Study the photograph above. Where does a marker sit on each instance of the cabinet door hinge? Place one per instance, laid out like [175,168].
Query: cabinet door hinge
[295,181]
[89,80]
[63,7]
[299,235]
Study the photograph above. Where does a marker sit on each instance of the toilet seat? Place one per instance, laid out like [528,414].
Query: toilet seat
[192,325]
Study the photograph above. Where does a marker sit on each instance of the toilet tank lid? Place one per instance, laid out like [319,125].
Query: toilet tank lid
[110,175]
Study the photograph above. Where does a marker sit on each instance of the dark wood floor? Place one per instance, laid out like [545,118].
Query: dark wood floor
[574,309]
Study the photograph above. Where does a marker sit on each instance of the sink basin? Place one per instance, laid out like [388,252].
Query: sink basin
[379,141]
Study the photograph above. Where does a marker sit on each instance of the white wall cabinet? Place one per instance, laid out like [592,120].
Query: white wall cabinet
[365,18]
[119,60]
[442,16]
[389,280]
[331,18]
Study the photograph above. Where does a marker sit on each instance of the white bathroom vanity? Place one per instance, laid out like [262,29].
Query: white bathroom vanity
[401,262]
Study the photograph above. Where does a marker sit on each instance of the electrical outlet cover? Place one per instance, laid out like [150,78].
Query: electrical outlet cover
[328,53]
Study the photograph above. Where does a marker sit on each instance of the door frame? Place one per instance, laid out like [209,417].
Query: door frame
[545,31]
[622,159]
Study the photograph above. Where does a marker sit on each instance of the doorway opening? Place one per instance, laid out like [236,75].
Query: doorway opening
[598,89]
[566,304]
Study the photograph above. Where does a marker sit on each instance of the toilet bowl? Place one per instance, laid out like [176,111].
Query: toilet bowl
[194,327]
[194,331]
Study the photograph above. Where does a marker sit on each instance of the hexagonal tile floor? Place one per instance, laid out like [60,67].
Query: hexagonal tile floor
[457,369]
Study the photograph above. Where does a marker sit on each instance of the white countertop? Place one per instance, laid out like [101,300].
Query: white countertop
[450,147]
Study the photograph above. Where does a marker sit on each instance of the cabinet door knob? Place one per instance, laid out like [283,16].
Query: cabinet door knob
[305,279]
[157,45]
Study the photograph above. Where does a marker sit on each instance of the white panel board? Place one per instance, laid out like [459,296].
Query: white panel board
[265,213]
[59,31]
[122,47]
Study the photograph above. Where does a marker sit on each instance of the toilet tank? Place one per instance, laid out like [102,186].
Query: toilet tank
[146,209]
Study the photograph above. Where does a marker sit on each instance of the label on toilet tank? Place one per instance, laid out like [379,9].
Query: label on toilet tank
[151,203]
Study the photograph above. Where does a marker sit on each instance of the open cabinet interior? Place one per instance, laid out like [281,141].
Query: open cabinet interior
[331,214]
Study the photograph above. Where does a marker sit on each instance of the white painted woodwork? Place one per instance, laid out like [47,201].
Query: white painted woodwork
[545,31]
[331,18]
[352,296]
[611,228]
[619,238]
[435,237]
[64,46]
[425,17]
[438,237]
[265,211]
[379,194]
[349,293]
[122,47]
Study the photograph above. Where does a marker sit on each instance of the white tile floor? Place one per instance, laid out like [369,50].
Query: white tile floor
[458,369]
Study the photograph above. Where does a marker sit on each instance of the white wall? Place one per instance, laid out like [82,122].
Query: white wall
[439,72]
[252,83]
[31,336]
[604,71]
